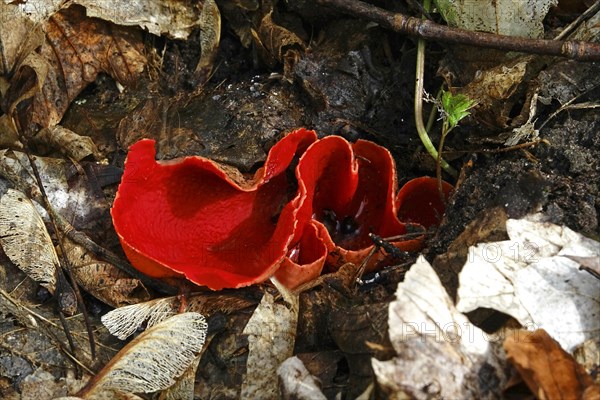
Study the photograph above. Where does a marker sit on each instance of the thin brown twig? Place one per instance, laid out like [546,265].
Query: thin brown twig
[67,265]
[584,51]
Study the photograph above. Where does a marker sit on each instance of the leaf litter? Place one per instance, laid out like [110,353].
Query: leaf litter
[331,76]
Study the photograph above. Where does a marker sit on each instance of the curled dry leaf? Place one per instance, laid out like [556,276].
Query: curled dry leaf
[548,370]
[19,37]
[74,146]
[439,353]
[271,336]
[26,241]
[102,280]
[273,40]
[154,360]
[210,37]
[76,49]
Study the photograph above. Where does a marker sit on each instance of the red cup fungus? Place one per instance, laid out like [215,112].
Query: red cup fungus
[207,222]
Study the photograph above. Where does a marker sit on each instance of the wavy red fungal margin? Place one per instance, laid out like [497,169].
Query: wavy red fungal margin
[196,218]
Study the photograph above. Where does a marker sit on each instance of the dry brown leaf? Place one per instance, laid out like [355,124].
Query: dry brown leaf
[19,36]
[240,15]
[154,360]
[274,40]
[9,138]
[25,240]
[71,144]
[210,37]
[493,91]
[77,48]
[102,280]
[271,336]
[548,370]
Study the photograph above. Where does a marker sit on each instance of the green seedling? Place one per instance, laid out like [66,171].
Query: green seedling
[453,108]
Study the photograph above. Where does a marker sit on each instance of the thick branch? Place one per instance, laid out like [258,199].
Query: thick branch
[430,30]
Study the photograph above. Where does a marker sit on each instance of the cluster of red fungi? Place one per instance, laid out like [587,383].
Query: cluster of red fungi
[309,209]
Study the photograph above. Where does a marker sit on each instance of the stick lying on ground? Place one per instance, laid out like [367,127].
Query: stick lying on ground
[584,51]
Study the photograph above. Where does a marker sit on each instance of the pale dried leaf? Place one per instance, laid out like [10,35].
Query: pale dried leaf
[26,241]
[71,144]
[71,194]
[296,382]
[174,18]
[102,280]
[534,278]
[210,37]
[439,352]
[184,387]
[154,360]
[125,321]
[505,17]
[36,11]
[19,37]
[271,336]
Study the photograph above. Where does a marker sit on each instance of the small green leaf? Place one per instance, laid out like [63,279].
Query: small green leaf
[456,107]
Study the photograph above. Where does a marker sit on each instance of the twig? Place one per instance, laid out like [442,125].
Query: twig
[74,287]
[587,14]
[424,29]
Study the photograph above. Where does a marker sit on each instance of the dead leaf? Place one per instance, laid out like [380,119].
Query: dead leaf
[71,144]
[274,40]
[174,18]
[26,241]
[533,278]
[41,385]
[296,382]
[154,360]
[20,35]
[71,193]
[271,336]
[548,370]
[102,280]
[125,321]
[184,386]
[493,91]
[505,17]
[210,37]
[76,49]
[439,353]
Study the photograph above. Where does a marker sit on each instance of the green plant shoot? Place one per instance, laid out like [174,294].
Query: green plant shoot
[454,109]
